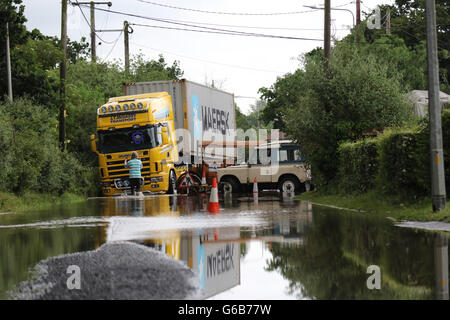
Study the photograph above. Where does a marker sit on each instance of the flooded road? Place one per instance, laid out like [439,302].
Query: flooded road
[266,249]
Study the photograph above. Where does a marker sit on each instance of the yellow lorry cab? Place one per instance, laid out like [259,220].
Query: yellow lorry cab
[141,123]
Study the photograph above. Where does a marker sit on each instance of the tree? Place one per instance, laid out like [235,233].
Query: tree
[30,64]
[360,92]
[75,50]
[408,22]
[283,95]
[241,119]
[149,70]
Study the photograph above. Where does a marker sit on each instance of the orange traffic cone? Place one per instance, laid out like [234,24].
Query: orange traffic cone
[213,205]
[204,178]
[255,187]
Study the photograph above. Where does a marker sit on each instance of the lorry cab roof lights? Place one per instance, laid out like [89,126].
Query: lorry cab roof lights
[109,109]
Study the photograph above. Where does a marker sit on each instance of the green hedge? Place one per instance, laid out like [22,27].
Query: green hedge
[358,166]
[404,163]
[396,162]
[31,159]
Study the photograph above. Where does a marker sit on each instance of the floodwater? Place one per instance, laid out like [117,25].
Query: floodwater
[271,248]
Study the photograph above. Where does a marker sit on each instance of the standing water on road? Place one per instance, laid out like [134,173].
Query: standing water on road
[266,249]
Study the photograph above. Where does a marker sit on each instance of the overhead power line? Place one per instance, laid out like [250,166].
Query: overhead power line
[227,13]
[209,61]
[227,32]
[246,27]
[207,29]
[115,42]
[89,24]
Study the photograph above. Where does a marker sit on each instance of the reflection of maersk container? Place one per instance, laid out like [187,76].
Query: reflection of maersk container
[216,263]
[201,110]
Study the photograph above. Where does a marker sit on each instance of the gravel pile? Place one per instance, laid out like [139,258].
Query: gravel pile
[116,270]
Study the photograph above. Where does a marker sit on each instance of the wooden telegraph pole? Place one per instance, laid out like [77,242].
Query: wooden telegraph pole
[388,21]
[327,33]
[8,64]
[438,193]
[126,46]
[62,77]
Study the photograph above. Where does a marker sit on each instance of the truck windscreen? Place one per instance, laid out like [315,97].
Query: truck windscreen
[127,139]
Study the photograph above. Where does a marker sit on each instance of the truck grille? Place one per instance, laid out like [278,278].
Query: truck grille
[117,170]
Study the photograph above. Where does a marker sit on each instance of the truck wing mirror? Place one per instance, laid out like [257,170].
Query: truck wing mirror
[165,137]
[93,144]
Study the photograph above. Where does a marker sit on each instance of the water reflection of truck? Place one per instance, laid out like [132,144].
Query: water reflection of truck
[147,119]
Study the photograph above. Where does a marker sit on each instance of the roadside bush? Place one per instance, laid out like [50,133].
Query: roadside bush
[81,123]
[404,163]
[396,162]
[358,166]
[31,159]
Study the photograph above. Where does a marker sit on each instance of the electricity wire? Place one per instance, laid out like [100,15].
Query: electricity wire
[208,61]
[227,13]
[90,27]
[207,29]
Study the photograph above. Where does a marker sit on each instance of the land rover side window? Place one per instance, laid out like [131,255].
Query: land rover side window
[297,155]
[127,139]
[283,155]
[290,155]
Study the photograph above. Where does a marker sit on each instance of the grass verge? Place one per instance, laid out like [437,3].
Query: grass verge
[371,202]
[10,202]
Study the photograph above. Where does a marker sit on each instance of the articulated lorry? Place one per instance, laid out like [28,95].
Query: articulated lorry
[165,122]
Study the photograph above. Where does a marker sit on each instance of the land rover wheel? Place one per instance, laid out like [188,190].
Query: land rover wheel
[289,185]
[229,185]
[172,183]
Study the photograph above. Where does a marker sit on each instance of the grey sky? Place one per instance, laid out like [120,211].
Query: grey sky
[237,64]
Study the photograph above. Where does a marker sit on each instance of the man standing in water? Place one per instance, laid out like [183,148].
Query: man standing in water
[135,166]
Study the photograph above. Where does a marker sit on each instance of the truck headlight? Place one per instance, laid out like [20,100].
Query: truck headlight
[103,109]
[156,179]
[110,108]
[132,106]
[125,107]
[118,107]
[140,105]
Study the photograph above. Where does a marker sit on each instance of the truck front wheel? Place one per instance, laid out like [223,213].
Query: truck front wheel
[172,183]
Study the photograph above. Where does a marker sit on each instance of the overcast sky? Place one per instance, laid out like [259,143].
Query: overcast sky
[238,64]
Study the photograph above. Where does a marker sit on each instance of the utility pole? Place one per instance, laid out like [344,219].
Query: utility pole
[92,24]
[388,21]
[358,20]
[438,194]
[8,64]
[327,33]
[358,12]
[93,40]
[126,46]
[62,77]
